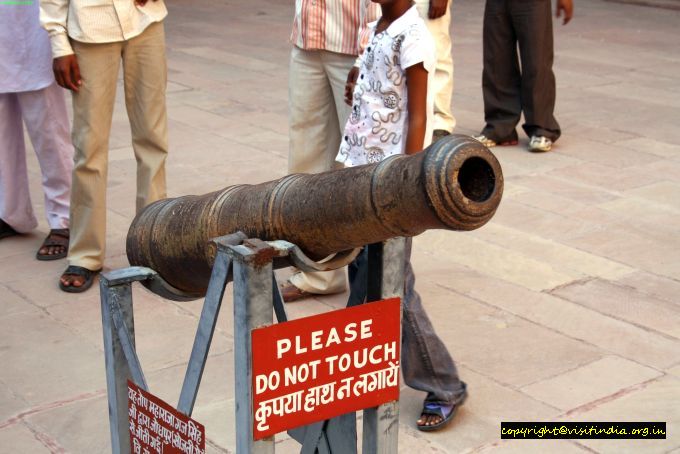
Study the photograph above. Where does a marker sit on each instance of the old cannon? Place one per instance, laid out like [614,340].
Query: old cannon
[454,184]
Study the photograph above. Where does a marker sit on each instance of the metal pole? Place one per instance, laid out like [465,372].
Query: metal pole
[119,336]
[205,331]
[385,280]
[252,309]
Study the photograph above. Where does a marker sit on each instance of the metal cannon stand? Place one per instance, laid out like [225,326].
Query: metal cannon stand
[250,264]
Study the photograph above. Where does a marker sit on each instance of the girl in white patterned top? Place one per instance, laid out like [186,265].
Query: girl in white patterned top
[391,109]
[391,114]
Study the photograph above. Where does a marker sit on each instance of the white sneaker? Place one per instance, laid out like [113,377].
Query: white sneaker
[488,143]
[540,144]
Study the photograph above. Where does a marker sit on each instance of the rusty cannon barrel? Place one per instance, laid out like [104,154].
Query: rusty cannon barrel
[454,184]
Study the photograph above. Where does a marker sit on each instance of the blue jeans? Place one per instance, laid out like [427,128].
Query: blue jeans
[425,362]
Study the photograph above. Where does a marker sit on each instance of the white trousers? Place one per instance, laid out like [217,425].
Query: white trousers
[443,76]
[318,113]
[44,113]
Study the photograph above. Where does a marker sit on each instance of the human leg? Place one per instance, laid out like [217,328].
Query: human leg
[314,129]
[92,114]
[426,364]
[16,209]
[145,79]
[47,122]
[533,24]
[315,132]
[501,75]
[439,28]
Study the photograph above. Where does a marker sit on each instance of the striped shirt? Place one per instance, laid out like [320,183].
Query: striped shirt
[96,21]
[333,25]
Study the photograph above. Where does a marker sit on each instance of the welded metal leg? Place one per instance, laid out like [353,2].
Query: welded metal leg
[252,309]
[205,330]
[117,370]
[385,280]
[119,348]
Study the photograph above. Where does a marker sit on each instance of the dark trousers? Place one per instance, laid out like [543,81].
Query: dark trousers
[425,361]
[510,88]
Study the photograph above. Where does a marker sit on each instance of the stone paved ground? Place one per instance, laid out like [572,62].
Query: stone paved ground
[564,307]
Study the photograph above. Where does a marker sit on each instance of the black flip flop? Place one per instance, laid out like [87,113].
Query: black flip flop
[79,271]
[56,237]
[6,230]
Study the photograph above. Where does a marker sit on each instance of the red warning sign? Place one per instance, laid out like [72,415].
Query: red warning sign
[156,427]
[319,367]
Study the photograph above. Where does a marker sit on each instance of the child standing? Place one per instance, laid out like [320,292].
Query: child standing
[391,114]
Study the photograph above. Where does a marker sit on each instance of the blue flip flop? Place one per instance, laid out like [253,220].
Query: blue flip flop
[445,411]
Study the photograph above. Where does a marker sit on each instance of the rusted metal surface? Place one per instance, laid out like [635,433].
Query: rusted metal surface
[454,184]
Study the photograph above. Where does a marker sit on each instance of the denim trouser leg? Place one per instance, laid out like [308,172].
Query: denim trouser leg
[426,363]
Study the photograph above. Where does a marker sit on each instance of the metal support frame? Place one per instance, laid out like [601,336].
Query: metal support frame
[256,293]
[385,280]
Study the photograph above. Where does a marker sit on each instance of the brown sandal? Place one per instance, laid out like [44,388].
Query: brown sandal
[291,293]
[56,237]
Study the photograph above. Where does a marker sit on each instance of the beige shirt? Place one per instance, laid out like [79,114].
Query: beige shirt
[96,21]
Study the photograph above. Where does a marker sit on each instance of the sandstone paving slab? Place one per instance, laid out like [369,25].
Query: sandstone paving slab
[643,94]
[590,382]
[535,446]
[81,427]
[251,62]
[600,178]
[652,146]
[496,260]
[194,80]
[217,382]
[618,113]
[13,303]
[614,156]
[545,224]
[164,331]
[21,265]
[556,314]
[631,248]
[666,169]
[19,438]
[49,366]
[620,225]
[208,121]
[583,49]
[478,421]
[268,169]
[674,371]
[599,133]
[219,419]
[41,288]
[625,303]
[26,244]
[656,286]
[203,98]
[663,193]
[658,400]
[174,87]
[499,344]
[646,215]
[570,260]
[533,163]
[551,202]
[10,405]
